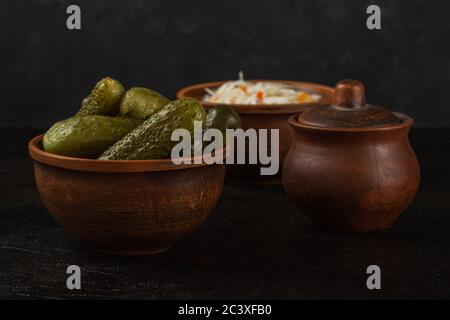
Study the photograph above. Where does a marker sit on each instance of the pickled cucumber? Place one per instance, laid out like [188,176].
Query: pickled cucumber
[152,139]
[222,117]
[86,136]
[141,103]
[104,98]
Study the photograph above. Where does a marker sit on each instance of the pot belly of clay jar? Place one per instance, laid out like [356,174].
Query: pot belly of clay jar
[351,182]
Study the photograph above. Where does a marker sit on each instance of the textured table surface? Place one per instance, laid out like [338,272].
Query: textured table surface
[256,244]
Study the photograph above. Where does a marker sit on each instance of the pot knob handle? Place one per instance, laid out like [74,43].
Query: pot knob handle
[349,94]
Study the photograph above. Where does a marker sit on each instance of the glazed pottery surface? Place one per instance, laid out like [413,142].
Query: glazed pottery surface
[352,179]
[263,117]
[132,207]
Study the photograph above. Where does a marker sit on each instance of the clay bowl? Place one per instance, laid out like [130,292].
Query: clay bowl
[352,179]
[263,117]
[136,207]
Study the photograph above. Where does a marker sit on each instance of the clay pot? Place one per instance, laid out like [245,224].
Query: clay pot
[351,167]
[263,117]
[133,207]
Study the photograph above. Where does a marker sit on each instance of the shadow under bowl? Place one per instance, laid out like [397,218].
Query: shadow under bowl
[262,116]
[126,207]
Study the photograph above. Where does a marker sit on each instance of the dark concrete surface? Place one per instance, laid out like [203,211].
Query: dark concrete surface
[256,244]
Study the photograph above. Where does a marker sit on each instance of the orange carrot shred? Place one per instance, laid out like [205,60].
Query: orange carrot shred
[260,95]
[301,97]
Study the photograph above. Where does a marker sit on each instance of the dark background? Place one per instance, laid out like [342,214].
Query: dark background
[47,69]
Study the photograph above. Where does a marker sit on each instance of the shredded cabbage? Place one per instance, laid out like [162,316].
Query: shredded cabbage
[244,92]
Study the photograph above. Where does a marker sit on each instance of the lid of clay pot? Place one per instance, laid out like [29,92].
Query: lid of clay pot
[349,110]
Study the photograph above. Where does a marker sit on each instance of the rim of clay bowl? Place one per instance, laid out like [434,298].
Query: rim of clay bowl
[406,121]
[326,93]
[95,165]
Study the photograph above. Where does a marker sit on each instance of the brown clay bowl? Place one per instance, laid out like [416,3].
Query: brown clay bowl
[263,117]
[120,207]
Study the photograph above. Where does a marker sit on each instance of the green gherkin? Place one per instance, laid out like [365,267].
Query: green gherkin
[141,103]
[104,98]
[222,117]
[86,136]
[152,139]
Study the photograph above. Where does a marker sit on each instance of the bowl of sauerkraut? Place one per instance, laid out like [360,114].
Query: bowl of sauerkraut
[249,96]
[262,104]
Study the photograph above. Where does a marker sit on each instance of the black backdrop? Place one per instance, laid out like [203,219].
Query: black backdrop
[46,69]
